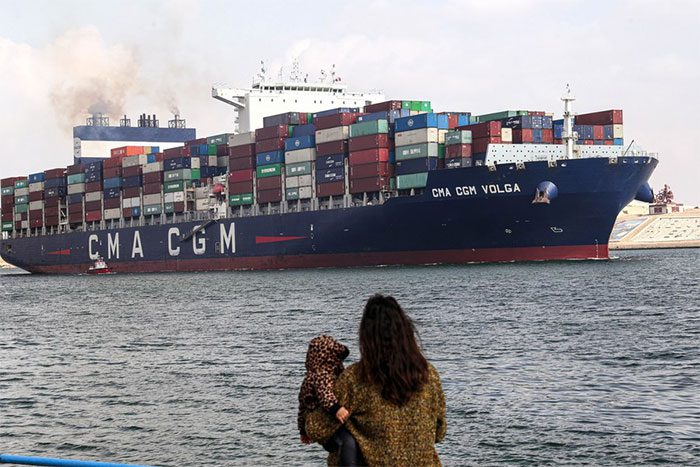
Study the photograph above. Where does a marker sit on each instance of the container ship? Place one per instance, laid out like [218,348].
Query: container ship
[367,182]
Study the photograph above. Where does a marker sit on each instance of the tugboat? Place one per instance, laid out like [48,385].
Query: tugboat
[100,267]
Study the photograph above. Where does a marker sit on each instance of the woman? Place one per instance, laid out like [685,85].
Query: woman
[393,394]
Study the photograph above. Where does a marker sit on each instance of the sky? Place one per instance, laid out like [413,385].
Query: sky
[60,59]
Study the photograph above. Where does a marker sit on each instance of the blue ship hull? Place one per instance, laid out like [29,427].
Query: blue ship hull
[464,215]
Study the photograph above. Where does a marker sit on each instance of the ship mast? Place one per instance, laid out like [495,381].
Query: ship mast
[568,134]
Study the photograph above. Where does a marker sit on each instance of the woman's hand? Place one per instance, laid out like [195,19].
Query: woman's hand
[342,414]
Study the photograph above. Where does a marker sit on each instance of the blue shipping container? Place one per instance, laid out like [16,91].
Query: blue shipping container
[76,198]
[177,163]
[130,182]
[618,141]
[109,193]
[339,110]
[55,191]
[584,131]
[304,130]
[330,162]
[151,158]
[34,178]
[93,177]
[412,166]
[390,115]
[270,157]
[558,131]
[301,142]
[330,175]
[112,182]
[427,120]
[55,182]
[136,212]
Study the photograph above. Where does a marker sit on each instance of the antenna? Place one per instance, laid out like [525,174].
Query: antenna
[306,78]
[295,71]
[322,78]
[568,135]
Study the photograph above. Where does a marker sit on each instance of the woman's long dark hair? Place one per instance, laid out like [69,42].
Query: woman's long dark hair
[390,357]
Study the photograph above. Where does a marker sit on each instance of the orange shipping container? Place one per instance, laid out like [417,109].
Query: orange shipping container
[127,151]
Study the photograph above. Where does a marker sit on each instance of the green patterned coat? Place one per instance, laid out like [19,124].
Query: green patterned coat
[386,433]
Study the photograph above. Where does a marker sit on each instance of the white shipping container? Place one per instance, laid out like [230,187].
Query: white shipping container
[300,155]
[305,180]
[126,203]
[291,182]
[135,202]
[179,196]
[114,213]
[213,161]
[195,163]
[506,135]
[332,134]
[25,224]
[241,138]
[201,205]
[168,197]
[76,188]
[93,196]
[36,186]
[156,198]
[222,161]
[18,217]
[298,181]
[419,136]
[305,192]
[201,192]
[152,167]
[132,161]
[34,205]
[21,191]
[617,131]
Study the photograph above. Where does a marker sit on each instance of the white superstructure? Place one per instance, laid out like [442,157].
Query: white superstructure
[266,98]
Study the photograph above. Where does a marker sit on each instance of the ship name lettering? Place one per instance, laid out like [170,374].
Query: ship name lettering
[136,247]
[113,246]
[441,192]
[465,190]
[227,240]
[199,245]
[496,189]
[94,255]
[173,231]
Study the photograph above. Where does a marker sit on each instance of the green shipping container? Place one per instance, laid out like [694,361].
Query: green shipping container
[196,173]
[76,178]
[7,226]
[172,187]
[441,150]
[458,137]
[181,174]
[291,194]
[21,184]
[8,190]
[498,115]
[300,168]
[240,200]
[212,150]
[24,199]
[218,139]
[406,105]
[269,170]
[21,207]
[152,209]
[372,127]
[416,151]
[404,182]
[425,106]
[169,208]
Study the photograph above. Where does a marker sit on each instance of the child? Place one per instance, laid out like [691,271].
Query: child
[324,363]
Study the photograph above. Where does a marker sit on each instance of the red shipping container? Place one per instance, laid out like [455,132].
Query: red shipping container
[524,135]
[375,169]
[269,183]
[368,185]
[330,189]
[480,145]
[608,142]
[272,132]
[75,207]
[153,177]
[368,156]
[557,141]
[36,223]
[111,163]
[75,169]
[588,142]
[222,150]
[332,147]
[6,216]
[53,173]
[75,217]
[159,157]
[37,213]
[51,202]
[241,175]
[269,145]
[9,181]
[547,136]
[332,121]
[179,206]
[132,171]
[598,132]
[93,186]
[131,192]
[482,130]
[537,113]
[126,212]
[239,188]
[50,221]
[269,196]
[245,150]
[458,150]
[368,142]
[18,225]
[240,163]
[112,172]
[93,216]
[196,142]
[384,106]
[152,188]
[112,203]
[36,195]
[91,206]
[606,117]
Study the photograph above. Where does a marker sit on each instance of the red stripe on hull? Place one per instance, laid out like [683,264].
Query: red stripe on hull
[487,255]
[272,239]
[60,252]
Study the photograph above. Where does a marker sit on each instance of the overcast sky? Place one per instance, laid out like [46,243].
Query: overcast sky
[59,58]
